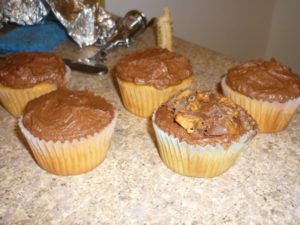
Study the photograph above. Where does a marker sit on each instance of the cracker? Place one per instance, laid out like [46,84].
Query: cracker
[164,29]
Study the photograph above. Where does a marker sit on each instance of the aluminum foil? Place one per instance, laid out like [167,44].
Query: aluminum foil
[1,15]
[23,12]
[85,20]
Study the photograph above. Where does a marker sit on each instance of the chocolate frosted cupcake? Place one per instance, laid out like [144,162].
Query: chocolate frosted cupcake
[69,131]
[148,78]
[269,91]
[27,75]
[201,134]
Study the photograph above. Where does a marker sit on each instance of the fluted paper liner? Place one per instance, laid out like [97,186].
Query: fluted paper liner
[70,157]
[197,160]
[15,100]
[270,116]
[142,100]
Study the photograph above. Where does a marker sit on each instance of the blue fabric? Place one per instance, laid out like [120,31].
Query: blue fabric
[41,37]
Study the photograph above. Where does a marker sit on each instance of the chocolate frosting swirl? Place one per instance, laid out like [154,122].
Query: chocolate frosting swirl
[204,118]
[25,69]
[265,80]
[157,67]
[67,114]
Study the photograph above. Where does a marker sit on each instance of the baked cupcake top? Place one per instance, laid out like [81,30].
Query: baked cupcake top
[157,67]
[203,118]
[265,80]
[67,114]
[25,69]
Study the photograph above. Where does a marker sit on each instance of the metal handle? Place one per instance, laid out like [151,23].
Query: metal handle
[129,27]
[132,24]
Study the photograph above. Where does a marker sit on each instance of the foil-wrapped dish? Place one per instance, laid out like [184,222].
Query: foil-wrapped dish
[85,20]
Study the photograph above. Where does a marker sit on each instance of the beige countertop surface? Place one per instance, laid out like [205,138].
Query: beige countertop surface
[133,186]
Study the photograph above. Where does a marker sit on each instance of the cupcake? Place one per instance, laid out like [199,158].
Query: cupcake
[201,134]
[148,78]
[68,131]
[27,75]
[269,91]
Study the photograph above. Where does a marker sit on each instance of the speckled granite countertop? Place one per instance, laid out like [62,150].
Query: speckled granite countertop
[133,186]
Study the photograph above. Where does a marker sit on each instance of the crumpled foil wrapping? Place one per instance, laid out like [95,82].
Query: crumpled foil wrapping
[85,20]
[23,12]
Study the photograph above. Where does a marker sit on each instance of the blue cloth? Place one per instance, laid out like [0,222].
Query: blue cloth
[41,37]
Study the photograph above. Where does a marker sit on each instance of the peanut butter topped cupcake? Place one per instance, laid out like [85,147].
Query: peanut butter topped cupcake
[69,131]
[203,118]
[149,77]
[27,75]
[201,133]
[269,91]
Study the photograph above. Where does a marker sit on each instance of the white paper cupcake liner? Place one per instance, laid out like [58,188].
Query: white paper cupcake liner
[197,160]
[15,100]
[270,116]
[70,157]
[142,100]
